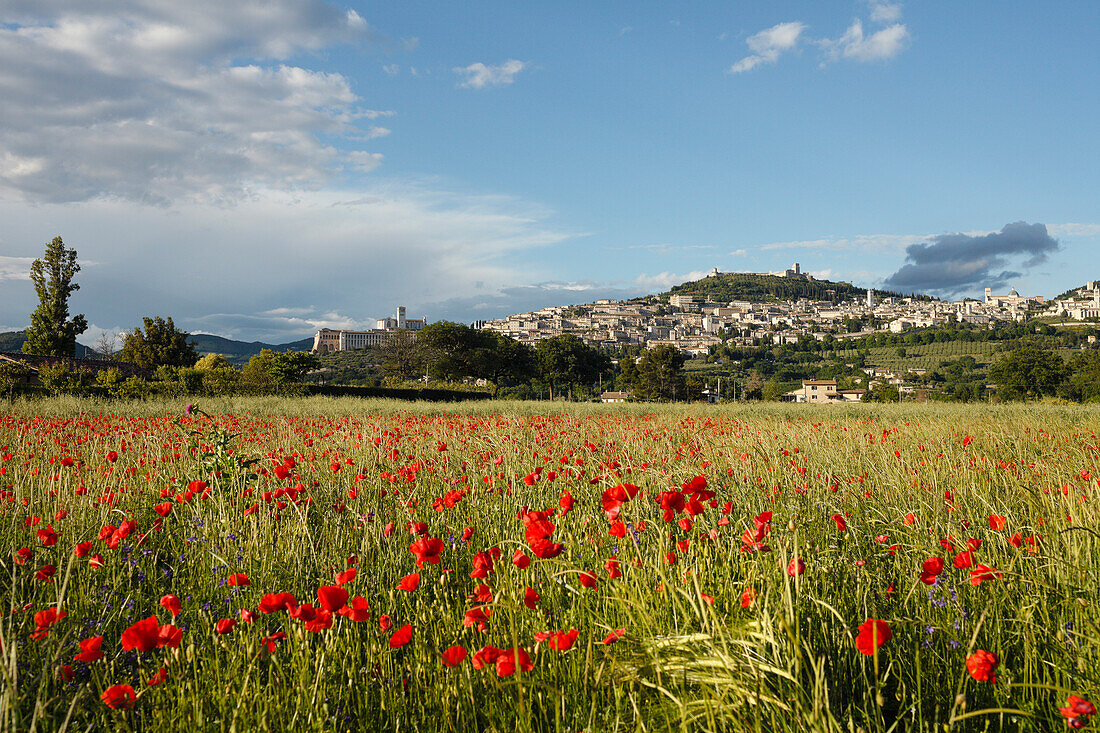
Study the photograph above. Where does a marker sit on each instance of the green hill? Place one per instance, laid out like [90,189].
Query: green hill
[239,352]
[730,286]
[12,341]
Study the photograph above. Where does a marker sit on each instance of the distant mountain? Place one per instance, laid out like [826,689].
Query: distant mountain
[729,286]
[237,352]
[12,341]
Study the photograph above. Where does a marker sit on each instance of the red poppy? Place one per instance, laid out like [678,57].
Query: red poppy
[142,636]
[1077,711]
[614,636]
[272,640]
[119,696]
[47,536]
[169,636]
[90,650]
[426,551]
[531,598]
[931,567]
[748,596]
[562,641]
[982,665]
[588,580]
[841,525]
[797,566]
[81,549]
[410,582]
[509,660]
[401,637]
[346,577]
[239,579]
[485,656]
[358,609]
[163,509]
[963,560]
[873,633]
[272,602]
[453,656]
[226,625]
[171,604]
[160,676]
[477,616]
[384,622]
[43,620]
[332,597]
[996,522]
[520,559]
[982,573]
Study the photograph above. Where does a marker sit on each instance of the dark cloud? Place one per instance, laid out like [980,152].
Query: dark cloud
[956,263]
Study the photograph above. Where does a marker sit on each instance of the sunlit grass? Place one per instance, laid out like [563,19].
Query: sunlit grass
[691,657]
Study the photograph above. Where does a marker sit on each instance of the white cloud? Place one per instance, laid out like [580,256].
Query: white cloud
[884,12]
[391,69]
[158,102]
[351,254]
[879,46]
[665,280]
[15,268]
[859,242]
[479,76]
[768,45]
[1071,229]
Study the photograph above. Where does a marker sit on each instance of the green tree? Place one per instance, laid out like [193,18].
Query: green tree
[257,373]
[52,332]
[453,350]
[402,355]
[292,366]
[659,375]
[160,344]
[211,362]
[508,359]
[1028,371]
[567,360]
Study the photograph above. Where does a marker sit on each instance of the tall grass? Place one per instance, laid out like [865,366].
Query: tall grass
[691,657]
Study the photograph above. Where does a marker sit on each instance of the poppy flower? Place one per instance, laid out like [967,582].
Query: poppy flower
[531,598]
[332,597]
[996,522]
[384,622]
[81,549]
[272,640]
[931,567]
[226,625]
[747,597]
[238,579]
[509,660]
[521,560]
[453,656]
[963,560]
[272,602]
[982,665]
[982,573]
[410,582]
[47,536]
[358,609]
[401,637]
[873,633]
[562,641]
[485,656]
[160,676]
[142,636]
[797,566]
[119,696]
[1077,711]
[614,636]
[426,551]
[163,509]
[171,604]
[43,620]
[90,650]
[588,580]
[477,616]
[346,576]
[169,636]
[841,525]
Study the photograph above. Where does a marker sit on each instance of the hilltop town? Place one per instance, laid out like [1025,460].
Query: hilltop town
[695,324]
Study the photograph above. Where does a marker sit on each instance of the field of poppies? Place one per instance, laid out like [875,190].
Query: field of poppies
[267,564]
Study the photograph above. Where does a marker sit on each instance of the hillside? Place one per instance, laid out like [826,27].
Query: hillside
[239,352]
[729,286]
[12,341]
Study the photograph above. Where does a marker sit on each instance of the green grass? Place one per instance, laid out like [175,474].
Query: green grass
[786,662]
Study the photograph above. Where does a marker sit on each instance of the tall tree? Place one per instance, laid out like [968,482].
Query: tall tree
[161,344]
[1028,371]
[565,359]
[658,374]
[52,332]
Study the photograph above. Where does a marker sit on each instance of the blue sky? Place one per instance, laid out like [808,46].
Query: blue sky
[261,169]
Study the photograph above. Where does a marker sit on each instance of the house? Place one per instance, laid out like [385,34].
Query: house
[35,362]
[615,397]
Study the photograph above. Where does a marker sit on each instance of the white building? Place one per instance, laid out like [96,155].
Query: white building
[327,339]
